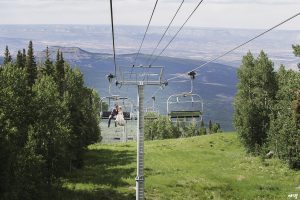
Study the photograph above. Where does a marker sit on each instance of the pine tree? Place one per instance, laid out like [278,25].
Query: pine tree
[24,56]
[210,126]
[60,72]
[48,65]
[202,130]
[7,56]
[20,61]
[30,66]
[297,52]
[14,124]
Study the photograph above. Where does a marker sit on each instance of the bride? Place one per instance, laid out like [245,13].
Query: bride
[120,117]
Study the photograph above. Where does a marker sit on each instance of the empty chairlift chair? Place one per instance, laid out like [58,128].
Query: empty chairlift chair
[185,107]
[151,113]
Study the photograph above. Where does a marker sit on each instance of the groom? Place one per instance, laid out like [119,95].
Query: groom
[113,115]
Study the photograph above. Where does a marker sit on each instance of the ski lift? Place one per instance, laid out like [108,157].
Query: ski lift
[151,113]
[113,100]
[107,104]
[185,107]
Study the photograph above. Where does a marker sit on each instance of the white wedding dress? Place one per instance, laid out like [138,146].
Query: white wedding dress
[120,119]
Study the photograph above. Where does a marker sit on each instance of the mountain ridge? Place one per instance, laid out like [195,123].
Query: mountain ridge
[216,83]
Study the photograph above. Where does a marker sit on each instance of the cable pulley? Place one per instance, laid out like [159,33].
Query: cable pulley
[110,77]
[192,74]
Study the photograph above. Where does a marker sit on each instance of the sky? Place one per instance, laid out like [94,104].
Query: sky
[252,14]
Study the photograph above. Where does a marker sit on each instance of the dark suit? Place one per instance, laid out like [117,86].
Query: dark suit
[113,113]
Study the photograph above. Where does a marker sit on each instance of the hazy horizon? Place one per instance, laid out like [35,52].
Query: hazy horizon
[192,43]
[252,14]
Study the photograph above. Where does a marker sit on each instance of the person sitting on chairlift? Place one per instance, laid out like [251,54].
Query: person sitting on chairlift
[113,115]
[120,117]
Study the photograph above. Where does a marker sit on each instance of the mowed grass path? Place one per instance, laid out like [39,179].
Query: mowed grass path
[205,167]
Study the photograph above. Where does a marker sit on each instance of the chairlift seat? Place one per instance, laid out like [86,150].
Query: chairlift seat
[106,114]
[185,114]
[151,117]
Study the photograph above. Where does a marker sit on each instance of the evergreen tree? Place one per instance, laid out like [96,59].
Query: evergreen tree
[20,63]
[41,133]
[296,49]
[60,72]
[48,65]
[210,126]
[219,127]
[24,56]
[30,65]
[202,130]
[7,56]
[297,52]
[14,124]
[82,113]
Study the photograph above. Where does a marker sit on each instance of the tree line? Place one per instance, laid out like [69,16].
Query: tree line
[161,127]
[267,108]
[47,118]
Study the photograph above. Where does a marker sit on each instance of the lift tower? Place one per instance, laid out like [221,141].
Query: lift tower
[141,76]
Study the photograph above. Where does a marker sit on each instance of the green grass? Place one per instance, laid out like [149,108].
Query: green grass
[205,167]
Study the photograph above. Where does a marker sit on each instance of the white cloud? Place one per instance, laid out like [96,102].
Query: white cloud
[212,13]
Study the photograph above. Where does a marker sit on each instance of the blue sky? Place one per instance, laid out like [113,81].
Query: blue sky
[212,13]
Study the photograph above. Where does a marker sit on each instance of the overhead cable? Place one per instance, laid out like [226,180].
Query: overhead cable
[165,31]
[154,60]
[237,47]
[145,33]
[113,35]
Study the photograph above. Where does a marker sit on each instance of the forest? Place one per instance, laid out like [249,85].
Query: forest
[48,117]
[267,108]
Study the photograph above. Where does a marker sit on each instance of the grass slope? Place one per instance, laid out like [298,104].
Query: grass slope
[205,167]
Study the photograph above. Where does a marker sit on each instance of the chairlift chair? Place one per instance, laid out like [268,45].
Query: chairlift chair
[185,107]
[126,104]
[120,133]
[151,113]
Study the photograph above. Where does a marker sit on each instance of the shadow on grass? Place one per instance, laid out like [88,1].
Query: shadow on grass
[107,194]
[103,172]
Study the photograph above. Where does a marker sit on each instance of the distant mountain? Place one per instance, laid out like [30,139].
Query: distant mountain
[192,43]
[215,83]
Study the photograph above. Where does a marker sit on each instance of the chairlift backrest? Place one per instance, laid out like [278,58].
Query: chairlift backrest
[188,107]
[127,106]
